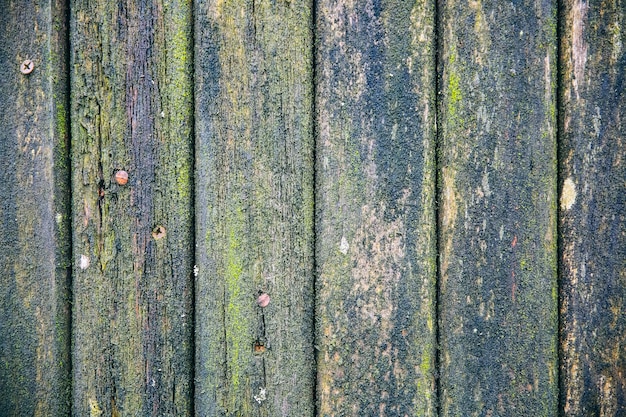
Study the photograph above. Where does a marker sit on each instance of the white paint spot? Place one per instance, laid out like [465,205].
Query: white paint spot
[344,246]
[195,270]
[568,194]
[262,396]
[485,184]
[501,232]
[84,262]
[58,218]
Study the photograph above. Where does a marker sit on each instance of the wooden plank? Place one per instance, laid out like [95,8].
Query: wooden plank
[254,202]
[498,288]
[376,258]
[34,210]
[133,243]
[592,208]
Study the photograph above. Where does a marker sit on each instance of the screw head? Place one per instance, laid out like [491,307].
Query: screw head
[263,300]
[27,67]
[121,177]
[158,232]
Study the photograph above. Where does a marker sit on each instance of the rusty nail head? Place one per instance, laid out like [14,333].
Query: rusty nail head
[263,300]
[121,177]
[27,67]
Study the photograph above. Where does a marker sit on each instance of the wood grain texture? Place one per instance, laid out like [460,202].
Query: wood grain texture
[592,208]
[34,211]
[254,205]
[375,227]
[131,69]
[498,288]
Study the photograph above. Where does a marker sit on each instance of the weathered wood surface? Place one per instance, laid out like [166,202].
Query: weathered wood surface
[304,169]
[592,208]
[498,286]
[254,208]
[375,230]
[34,211]
[131,73]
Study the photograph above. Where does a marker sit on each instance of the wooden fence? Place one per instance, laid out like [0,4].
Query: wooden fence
[298,208]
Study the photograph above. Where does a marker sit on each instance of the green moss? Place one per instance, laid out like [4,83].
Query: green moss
[426,364]
[183,179]
[235,321]
[61,121]
[523,264]
[454,91]
[176,75]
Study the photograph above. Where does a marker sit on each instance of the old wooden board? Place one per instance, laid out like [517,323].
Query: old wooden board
[131,82]
[375,211]
[254,208]
[498,288]
[592,208]
[34,210]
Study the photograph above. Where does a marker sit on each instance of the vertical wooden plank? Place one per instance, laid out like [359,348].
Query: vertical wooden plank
[34,211]
[131,70]
[592,208]
[498,288]
[254,200]
[375,208]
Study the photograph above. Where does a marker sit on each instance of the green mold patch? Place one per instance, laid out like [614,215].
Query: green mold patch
[235,320]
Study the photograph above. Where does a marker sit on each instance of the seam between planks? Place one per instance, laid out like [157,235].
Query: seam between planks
[437,50]
[67,43]
[192,202]
[559,170]
[314,133]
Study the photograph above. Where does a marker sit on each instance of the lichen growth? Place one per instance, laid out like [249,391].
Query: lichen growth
[94,408]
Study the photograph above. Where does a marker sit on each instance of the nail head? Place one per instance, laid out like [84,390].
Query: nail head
[158,232]
[121,177]
[263,300]
[27,67]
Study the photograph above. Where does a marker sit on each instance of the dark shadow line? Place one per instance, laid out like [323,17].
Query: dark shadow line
[69,295]
[192,202]
[559,171]
[438,67]
[314,133]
